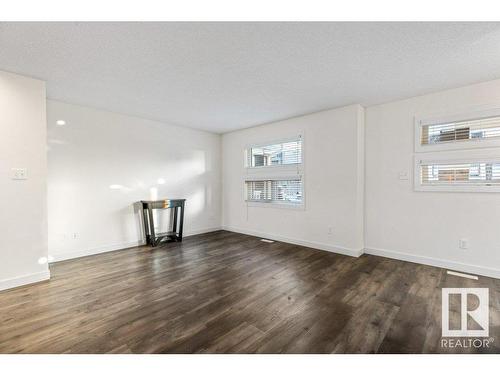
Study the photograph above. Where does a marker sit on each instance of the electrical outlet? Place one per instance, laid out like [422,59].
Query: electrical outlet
[463,243]
[19,173]
[330,230]
[75,236]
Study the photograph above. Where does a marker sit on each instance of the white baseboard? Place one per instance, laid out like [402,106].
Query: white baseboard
[315,245]
[24,280]
[441,263]
[58,257]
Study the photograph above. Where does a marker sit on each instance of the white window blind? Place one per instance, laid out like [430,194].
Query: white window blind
[457,174]
[274,191]
[285,153]
[460,131]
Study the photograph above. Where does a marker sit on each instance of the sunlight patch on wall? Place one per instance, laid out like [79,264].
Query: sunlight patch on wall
[196,202]
[153,193]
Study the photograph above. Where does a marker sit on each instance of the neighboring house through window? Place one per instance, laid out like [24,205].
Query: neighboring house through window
[458,153]
[275,173]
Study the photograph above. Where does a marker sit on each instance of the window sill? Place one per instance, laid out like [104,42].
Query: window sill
[459,188]
[273,166]
[289,206]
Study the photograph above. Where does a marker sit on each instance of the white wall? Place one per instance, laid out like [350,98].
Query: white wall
[97,149]
[426,227]
[23,217]
[333,157]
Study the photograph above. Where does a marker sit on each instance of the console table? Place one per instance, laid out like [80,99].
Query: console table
[175,234]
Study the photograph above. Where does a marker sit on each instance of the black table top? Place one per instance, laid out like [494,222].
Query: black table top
[165,200]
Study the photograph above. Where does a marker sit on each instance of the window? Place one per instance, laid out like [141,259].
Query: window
[274,191]
[285,153]
[473,130]
[458,152]
[481,174]
[461,130]
[274,173]
[458,171]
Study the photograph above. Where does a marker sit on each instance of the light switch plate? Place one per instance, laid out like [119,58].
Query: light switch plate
[19,173]
[403,175]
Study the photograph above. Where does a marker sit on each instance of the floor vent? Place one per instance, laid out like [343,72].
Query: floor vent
[266,241]
[459,274]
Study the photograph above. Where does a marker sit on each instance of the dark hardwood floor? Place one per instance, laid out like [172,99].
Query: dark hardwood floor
[224,292]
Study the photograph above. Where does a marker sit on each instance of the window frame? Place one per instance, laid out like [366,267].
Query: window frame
[248,150]
[271,203]
[475,143]
[452,157]
[275,172]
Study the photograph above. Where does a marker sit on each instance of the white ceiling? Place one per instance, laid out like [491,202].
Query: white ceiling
[225,76]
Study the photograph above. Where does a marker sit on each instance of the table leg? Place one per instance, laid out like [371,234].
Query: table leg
[146,227]
[181,222]
[175,220]
[152,227]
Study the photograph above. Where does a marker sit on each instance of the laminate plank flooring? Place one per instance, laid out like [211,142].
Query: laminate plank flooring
[224,292]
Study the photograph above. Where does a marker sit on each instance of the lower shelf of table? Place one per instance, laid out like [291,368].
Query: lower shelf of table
[163,238]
